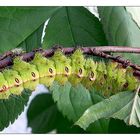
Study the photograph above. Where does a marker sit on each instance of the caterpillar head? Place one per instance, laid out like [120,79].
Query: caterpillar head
[26,70]
[12,77]
[44,66]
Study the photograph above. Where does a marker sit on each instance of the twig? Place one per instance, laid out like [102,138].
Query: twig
[89,50]
[86,50]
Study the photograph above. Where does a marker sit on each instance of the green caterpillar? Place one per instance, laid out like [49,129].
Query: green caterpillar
[107,78]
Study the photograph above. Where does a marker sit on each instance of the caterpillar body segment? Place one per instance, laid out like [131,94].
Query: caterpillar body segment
[14,81]
[106,77]
[4,92]
[26,70]
[78,67]
[90,73]
[131,81]
[63,67]
[44,66]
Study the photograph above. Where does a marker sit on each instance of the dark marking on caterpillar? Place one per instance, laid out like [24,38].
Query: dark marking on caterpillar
[109,87]
[105,76]
[50,70]
[67,69]
[16,80]
[92,74]
[125,85]
[33,74]
[80,71]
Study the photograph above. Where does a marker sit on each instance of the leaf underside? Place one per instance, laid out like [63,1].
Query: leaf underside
[124,106]
[19,23]
[72,101]
[120,29]
[73,26]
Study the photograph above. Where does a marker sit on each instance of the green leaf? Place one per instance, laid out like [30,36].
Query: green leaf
[64,126]
[11,108]
[33,41]
[124,106]
[120,29]
[42,114]
[73,101]
[18,23]
[43,117]
[120,127]
[99,126]
[72,26]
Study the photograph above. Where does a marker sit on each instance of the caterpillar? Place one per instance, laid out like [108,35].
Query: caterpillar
[106,77]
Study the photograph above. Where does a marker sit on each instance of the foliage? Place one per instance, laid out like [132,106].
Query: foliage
[67,106]
[120,29]
[10,109]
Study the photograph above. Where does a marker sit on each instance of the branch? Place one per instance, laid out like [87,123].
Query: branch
[87,50]
[7,58]
[117,49]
